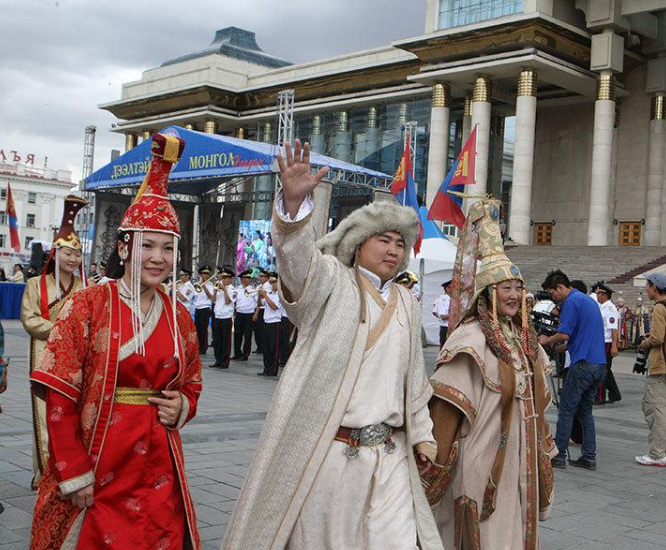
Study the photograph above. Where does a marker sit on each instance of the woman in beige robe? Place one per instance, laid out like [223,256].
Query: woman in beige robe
[43,299]
[488,411]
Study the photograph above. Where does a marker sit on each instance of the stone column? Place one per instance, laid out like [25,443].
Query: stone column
[240,132]
[602,158]
[130,141]
[261,210]
[210,127]
[373,137]
[523,160]
[497,133]
[189,126]
[343,138]
[438,149]
[481,110]
[146,135]
[467,119]
[317,143]
[656,170]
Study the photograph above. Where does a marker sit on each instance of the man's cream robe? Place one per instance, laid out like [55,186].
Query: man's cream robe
[313,394]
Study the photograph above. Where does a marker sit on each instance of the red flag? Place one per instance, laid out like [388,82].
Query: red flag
[466,171]
[13,221]
[405,166]
[404,189]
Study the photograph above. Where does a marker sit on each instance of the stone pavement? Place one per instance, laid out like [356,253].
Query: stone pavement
[620,506]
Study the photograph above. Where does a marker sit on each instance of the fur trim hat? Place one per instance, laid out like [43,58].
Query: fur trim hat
[365,222]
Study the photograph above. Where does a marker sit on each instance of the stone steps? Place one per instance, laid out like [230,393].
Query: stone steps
[615,264]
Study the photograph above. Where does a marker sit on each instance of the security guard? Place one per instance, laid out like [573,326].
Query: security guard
[611,318]
[203,296]
[246,305]
[225,298]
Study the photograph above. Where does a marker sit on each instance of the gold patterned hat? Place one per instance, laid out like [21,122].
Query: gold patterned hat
[495,264]
[66,235]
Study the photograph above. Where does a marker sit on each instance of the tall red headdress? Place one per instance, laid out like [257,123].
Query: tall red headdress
[65,237]
[151,211]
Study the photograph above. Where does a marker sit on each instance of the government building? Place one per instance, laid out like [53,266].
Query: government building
[567,97]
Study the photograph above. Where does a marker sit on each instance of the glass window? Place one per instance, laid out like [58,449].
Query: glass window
[454,13]
[3,217]
[3,194]
[28,240]
[30,220]
[32,198]
[3,241]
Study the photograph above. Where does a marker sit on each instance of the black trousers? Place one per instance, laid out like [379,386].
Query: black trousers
[271,348]
[243,335]
[286,328]
[443,335]
[258,329]
[222,342]
[201,318]
[609,385]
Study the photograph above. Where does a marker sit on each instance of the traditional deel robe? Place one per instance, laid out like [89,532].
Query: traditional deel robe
[501,480]
[324,385]
[135,462]
[39,329]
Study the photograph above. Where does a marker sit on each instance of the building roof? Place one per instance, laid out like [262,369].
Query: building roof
[236,43]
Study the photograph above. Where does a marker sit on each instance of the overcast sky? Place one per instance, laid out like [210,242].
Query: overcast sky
[60,59]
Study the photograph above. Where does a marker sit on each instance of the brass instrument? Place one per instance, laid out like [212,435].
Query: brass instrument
[197,288]
[220,285]
[252,291]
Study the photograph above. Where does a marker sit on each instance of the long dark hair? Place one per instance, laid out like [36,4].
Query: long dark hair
[114,268]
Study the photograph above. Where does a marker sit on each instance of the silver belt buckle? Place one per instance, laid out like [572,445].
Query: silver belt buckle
[369,436]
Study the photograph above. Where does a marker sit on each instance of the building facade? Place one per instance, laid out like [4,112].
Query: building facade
[39,195]
[567,97]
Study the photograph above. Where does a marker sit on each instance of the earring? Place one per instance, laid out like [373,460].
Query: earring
[124,254]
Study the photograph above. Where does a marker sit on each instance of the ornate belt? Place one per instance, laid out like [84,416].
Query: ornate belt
[367,436]
[135,396]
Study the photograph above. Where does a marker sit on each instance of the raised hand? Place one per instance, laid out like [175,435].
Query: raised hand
[297,180]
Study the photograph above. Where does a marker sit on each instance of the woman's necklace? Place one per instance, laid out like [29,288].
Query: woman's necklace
[126,294]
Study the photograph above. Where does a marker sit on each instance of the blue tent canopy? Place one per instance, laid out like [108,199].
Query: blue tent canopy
[210,158]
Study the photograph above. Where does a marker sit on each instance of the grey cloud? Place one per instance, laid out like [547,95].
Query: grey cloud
[63,58]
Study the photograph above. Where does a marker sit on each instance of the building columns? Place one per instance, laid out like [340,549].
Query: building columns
[438,150]
[481,111]
[656,171]
[210,127]
[343,138]
[317,143]
[602,159]
[467,119]
[373,137]
[523,161]
[130,141]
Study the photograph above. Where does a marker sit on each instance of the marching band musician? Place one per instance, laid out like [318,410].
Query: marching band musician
[225,297]
[246,305]
[43,299]
[272,318]
[185,289]
[203,296]
[258,318]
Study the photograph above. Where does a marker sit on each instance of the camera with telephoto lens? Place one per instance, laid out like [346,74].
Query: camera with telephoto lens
[640,365]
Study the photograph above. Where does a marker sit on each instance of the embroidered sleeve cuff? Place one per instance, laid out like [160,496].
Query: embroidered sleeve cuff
[427,449]
[184,413]
[76,483]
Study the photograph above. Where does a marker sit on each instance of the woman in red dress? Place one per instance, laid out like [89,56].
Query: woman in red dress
[121,376]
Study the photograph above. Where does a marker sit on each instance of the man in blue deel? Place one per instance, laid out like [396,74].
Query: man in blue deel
[582,329]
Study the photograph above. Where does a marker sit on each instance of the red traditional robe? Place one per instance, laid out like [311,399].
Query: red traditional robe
[140,492]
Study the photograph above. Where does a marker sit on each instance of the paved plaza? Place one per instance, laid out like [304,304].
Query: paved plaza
[620,506]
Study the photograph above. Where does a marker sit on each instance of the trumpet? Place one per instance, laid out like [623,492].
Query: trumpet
[197,288]
[252,291]
[220,285]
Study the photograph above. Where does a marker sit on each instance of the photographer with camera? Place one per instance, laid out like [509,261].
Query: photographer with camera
[581,328]
[654,397]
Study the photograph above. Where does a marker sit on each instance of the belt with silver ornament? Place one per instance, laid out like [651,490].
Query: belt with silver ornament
[367,436]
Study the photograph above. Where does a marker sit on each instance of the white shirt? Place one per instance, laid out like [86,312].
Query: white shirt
[222,309]
[441,307]
[201,299]
[610,316]
[377,283]
[268,288]
[245,303]
[187,290]
[273,315]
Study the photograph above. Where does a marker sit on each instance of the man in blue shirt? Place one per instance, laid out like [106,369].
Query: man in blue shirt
[582,329]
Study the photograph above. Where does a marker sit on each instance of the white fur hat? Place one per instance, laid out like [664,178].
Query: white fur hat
[365,222]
